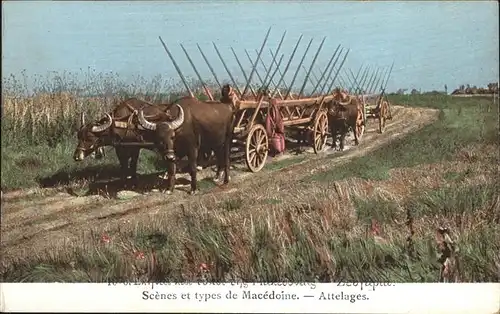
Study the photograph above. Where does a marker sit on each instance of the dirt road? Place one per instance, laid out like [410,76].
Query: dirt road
[38,219]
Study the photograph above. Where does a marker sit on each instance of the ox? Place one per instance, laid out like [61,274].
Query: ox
[343,112]
[118,127]
[199,127]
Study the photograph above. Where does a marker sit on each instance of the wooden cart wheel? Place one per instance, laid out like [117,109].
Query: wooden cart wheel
[360,123]
[320,132]
[257,148]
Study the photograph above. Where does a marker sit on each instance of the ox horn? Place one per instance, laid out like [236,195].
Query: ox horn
[174,125]
[100,128]
[145,123]
[171,124]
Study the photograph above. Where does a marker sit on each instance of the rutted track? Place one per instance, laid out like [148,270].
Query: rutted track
[33,222]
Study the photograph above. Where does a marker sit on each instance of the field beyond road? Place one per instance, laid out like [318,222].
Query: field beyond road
[370,213]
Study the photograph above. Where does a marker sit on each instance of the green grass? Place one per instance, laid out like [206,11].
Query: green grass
[30,166]
[456,176]
[462,122]
[381,210]
[457,202]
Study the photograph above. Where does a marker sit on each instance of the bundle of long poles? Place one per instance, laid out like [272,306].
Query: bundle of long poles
[274,73]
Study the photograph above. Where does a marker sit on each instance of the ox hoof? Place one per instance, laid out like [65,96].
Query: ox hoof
[193,192]
[168,192]
[199,168]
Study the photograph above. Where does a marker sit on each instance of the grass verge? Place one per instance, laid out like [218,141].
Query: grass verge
[286,241]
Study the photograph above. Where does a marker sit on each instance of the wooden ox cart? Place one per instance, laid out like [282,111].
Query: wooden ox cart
[374,105]
[378,109]
[307,114]
[250,134]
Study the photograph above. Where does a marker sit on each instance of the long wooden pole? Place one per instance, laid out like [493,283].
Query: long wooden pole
[325,71]
[338,71]
[265,69]
[177,68]
[258,57]
[311,67]
[331,71]
[207,91]
[209,66]
[242,71]
[227,69]
[266,78]
[287,66]
[298,68]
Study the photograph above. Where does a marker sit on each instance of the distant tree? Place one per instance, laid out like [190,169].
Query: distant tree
[493,88]
[433,92]
[468,89]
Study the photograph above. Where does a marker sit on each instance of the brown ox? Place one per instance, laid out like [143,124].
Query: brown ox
[228,96]
[117,128]
[343,113]
[199,127]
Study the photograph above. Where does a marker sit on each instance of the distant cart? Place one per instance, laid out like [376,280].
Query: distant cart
[374,105]
[378,109]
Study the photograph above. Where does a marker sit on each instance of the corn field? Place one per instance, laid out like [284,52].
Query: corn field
[49,112]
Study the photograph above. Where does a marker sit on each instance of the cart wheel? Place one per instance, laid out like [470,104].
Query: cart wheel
[320,132]
[257,148]
[360,124]
[382,116]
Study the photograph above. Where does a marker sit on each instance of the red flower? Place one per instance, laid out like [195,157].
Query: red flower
[139,255]
[375,228]
[203,266]
[105,238]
